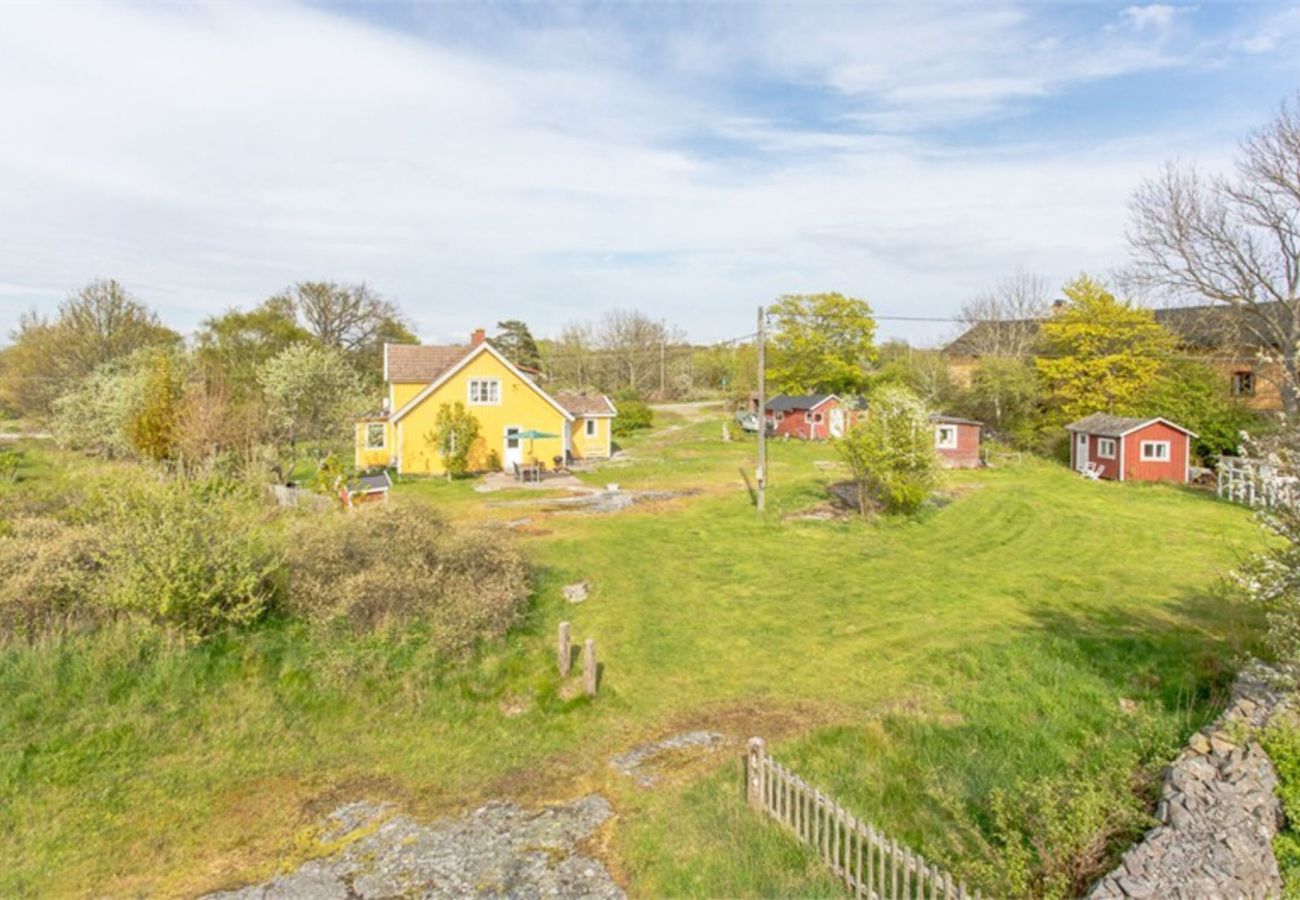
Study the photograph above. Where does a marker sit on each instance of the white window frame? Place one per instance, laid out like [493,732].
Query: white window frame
[383,436]
[1105,448]
[589,428]
[1147,455]
[945,444]
[493,396]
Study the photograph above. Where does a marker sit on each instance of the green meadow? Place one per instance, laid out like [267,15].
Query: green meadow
[1028,637]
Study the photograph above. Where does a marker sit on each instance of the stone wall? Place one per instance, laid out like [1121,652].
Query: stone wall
[1217,809]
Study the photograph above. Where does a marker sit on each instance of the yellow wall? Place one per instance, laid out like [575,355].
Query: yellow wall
[402,393]
[595,447]
[521,406]
[373,459]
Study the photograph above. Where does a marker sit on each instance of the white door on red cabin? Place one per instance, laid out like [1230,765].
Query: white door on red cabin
[1081,452]
[837,422]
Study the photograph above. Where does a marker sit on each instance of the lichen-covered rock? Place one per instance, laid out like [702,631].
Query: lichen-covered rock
[1217,809]
[499,850]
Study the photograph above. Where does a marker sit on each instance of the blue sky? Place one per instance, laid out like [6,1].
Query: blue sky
[551,161]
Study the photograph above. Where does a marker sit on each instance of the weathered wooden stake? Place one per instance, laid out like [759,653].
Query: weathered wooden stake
[754,773]
[589,667]
[563,656]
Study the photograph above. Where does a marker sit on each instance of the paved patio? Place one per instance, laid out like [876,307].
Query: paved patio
[501,481]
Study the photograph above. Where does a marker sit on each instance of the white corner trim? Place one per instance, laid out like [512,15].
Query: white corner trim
[385,362]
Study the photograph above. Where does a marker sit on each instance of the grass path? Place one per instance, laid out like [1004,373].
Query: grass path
[908,666]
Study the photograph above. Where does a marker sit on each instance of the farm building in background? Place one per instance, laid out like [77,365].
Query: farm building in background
[1229,340]
[957,441]
[1120,448]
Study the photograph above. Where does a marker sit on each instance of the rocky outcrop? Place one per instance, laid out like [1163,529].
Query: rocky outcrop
[499,850]
[1217,809]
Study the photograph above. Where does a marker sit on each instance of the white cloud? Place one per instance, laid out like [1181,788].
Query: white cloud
[209,155]
[1156,16]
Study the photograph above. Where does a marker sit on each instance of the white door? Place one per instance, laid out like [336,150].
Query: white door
[1081,452]
[514,449]
[837,422]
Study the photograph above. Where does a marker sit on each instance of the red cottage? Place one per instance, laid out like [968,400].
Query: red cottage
[811,417]
[957,441]
[1127,449]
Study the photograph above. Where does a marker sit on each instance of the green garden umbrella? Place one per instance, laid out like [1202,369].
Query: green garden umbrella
[531,435]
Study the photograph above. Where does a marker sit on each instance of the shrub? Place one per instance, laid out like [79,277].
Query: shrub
[49,576]
[389,565]
[634,415]
[891,452]
[454,433]
[182,554]
[1282,741]
[1053,837]
[10,461]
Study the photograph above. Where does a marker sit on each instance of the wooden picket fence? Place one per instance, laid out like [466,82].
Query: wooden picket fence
[869,863]
[1254,482]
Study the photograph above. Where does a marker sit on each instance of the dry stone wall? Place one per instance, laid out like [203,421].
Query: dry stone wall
[1217,809]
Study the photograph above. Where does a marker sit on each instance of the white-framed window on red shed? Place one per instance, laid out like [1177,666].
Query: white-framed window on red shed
[945,437]
[1106,448]
[1155,451]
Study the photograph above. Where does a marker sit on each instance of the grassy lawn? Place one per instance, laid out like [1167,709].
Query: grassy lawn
[910,667]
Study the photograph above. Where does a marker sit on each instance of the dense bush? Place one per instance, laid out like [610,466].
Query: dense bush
[634,415]
[49,576]
[1053,837]
[390,565]
[184,554]
[890,452]
[1282,741]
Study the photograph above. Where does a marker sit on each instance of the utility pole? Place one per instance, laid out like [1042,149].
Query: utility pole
[762,409]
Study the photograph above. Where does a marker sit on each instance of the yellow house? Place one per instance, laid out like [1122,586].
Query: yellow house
[519,422]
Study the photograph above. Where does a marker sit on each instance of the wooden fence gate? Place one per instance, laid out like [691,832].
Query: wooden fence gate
[869,863]
[1254,482]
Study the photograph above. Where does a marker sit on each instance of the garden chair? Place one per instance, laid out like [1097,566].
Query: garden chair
[1092,471]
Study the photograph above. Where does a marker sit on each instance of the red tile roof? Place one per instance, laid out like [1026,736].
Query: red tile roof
[421,363]
[584,404]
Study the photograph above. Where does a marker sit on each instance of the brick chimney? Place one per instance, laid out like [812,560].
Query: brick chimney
[477,337]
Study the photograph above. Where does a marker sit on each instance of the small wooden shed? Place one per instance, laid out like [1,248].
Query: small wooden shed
[810,416]
[957,441]
[1124,448]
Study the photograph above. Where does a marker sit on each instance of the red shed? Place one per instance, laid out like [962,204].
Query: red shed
[1122,448]
[957,441]
[811,416]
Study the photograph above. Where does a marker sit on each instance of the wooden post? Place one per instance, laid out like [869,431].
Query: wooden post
[563,653]
[589,667]
[761,477]
[754,775]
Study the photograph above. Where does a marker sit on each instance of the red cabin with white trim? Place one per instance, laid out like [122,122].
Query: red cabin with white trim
[811,417]
[1122,448]
[957,441]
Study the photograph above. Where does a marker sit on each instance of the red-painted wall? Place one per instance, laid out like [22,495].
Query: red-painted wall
[1173,469]
[802,424]
[966,455]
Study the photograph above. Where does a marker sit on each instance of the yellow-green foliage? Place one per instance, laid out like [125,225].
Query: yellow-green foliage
[823,342]
[454,433]
[152,425]
[1099,353]
[390,564]
[1282,741]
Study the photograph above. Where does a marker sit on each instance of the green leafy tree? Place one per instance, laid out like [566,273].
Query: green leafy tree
[152,426]
[231,347]
[1196,397]
[454,432]
[312,394]
[1006,394]
[923,372]
[515,340]
[890,452]
[823,342]
[1099,353]
[99,324]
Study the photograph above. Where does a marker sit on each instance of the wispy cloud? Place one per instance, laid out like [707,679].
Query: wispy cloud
[547,165]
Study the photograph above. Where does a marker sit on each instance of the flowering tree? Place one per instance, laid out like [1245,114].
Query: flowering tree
[1272,578]
[891,451]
